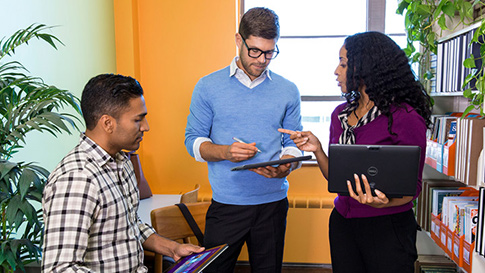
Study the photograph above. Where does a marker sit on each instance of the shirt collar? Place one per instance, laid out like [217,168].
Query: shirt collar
[233,69]
[98,154]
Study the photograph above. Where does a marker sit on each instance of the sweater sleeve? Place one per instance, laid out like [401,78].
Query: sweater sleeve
[410,129]
[292,119]
[199,121]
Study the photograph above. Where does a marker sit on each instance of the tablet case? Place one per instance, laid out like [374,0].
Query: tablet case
[269,163]
[392,169]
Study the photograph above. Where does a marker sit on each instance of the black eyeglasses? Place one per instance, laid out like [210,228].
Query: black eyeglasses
[256,52]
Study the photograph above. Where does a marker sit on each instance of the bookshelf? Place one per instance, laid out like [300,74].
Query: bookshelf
[447,94]
[478,261]
[447,64]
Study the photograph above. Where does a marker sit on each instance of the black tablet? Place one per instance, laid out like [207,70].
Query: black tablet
[393,169]
[196,262]
[269,163]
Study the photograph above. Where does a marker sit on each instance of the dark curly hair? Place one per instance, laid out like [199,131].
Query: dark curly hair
[376,61]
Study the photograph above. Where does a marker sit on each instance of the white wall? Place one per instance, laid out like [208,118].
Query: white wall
[86,27]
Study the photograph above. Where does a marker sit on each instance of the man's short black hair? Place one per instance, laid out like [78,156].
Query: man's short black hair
[107,94]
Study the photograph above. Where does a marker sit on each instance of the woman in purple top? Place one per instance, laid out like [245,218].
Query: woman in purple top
[385,105]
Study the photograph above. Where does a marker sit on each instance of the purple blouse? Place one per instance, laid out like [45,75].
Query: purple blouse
[409,128]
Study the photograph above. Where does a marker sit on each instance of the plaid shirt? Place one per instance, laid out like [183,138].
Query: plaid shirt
[90,206]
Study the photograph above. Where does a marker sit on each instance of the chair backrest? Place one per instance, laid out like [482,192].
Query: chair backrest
[170,222]
[190,196]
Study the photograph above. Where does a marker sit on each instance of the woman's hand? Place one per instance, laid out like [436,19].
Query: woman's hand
[305,141]
[367,198]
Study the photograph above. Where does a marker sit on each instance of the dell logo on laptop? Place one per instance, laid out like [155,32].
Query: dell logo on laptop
[372,171]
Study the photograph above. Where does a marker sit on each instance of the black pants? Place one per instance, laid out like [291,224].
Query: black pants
[262,227]
[384,244]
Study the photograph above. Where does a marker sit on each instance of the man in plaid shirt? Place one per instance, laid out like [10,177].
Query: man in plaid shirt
[90,201]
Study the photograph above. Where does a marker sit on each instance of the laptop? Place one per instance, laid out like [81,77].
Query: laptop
[392,169]
[196,262]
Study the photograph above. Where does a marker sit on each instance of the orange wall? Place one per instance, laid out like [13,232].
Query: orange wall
[168,46]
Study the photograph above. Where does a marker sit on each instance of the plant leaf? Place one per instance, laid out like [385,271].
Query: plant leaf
[6,167]
[469,62]
[468,110]
[26,179]
[442,22]
[449,9]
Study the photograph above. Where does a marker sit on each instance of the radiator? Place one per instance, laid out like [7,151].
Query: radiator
[297,202]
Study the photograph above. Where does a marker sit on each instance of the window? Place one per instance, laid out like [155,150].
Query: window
[312,32]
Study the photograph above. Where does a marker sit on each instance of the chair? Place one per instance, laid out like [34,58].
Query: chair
[190,196]
[170,223]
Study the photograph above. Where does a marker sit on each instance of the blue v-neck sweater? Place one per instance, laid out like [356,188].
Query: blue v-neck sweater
[223,108]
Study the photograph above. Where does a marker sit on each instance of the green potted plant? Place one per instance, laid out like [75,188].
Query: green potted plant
[26,104]
[425,22]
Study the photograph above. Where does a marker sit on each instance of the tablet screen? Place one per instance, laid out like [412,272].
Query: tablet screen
[194,263]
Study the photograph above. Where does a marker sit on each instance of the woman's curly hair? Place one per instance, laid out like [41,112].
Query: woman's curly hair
[376,61]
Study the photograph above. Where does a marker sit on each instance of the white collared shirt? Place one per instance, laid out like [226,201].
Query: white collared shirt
[244,78]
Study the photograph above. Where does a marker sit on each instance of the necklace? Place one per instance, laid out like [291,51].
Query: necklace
[355,114]
[367,106]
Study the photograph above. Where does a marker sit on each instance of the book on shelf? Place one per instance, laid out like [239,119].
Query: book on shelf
[450,55]
[470,223]
[452,132]
[424,201]
[454,211]
[453,221]
[439,67]
[466,54]
[440,193]
[444,126]
[433,69]
[475,142]
[455,144]
[448,211]
[469,139]
[481,162]
[475,50]
[437,269]
[437,197]
[453,67]
[428,262]
[479,244]
[446,65]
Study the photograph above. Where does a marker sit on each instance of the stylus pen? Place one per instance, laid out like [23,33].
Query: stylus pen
[240,141]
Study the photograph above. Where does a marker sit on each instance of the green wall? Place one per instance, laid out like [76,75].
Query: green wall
[86,27]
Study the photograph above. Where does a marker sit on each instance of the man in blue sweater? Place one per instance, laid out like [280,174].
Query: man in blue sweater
[247,102]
